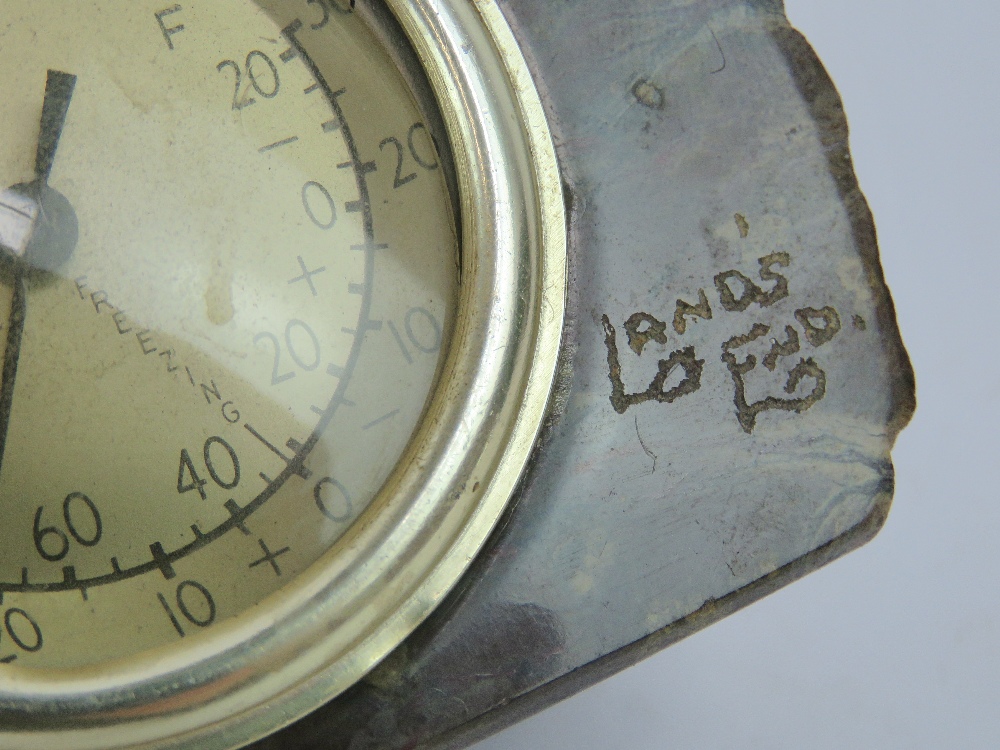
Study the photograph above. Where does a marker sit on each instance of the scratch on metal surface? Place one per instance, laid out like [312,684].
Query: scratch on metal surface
[645,449]
[717,44]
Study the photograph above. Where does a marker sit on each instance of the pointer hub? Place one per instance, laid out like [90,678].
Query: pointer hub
[38,227]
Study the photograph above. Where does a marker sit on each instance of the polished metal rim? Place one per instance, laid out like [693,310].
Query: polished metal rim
[319,635]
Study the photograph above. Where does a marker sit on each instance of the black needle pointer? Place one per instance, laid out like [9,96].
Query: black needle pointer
[58,93]
[54,236]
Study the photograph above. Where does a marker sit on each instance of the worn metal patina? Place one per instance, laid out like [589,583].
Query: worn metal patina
[733,378]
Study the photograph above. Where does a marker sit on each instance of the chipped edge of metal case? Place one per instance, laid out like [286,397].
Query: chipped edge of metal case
[826,107]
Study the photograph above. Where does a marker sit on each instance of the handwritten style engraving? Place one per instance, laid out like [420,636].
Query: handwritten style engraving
[737,293]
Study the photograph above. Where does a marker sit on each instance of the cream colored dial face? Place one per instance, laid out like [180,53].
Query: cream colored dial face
[210,378]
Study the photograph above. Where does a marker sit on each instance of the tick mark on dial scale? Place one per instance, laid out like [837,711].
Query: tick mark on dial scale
[302,471]
[380,420]
[238,515]
[367,325]
[277,144]
[361,167]
[162,560]
[370,246]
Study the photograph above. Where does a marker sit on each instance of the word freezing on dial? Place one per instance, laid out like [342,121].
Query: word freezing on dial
[149,346]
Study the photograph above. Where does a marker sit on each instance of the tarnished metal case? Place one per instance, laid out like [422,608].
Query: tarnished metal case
[732,375]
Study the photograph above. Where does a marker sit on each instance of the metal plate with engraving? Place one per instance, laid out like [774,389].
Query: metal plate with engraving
[733,378]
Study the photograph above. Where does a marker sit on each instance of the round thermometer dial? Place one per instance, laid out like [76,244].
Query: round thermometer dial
[207,382]
[282,285]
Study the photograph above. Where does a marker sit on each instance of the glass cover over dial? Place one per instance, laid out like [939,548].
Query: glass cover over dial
[228,270]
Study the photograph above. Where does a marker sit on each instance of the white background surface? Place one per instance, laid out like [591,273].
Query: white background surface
[896,645]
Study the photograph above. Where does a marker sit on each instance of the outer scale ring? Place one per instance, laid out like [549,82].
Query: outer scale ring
[320,634]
